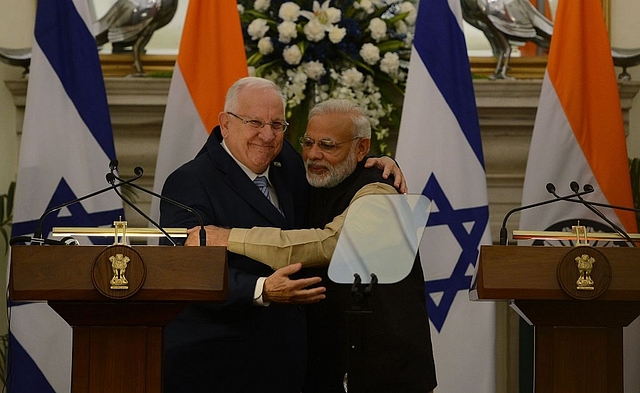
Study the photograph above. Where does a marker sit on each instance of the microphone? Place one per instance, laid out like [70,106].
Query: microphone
[111,178]
[37,234]
[615,207]
[575,187]
[113,165]
[503,228]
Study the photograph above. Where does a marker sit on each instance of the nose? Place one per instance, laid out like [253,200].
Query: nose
[314,152]
[266,133]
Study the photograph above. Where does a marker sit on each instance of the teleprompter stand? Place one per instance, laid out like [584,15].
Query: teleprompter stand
[355,322]
[378,245]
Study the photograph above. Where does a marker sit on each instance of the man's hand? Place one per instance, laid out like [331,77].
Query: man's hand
[279,288]
[389,167]
[216,236]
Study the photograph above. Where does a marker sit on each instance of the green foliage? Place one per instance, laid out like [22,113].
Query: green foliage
[160,74]
[4,346]
[6,213]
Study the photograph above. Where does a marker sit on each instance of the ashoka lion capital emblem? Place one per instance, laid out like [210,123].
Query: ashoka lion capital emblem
[119,265]
[585,265]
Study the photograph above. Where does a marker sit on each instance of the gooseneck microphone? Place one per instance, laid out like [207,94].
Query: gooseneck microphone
[37,234]
[615,207]
[111,179]
[575,187]
[113,166]
[503,228]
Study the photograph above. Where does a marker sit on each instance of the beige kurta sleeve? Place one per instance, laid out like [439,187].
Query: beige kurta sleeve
[313,247]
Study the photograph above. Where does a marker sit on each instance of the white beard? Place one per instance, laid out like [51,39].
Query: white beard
[335,175]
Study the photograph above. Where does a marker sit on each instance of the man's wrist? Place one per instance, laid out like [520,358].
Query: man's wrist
[259,296]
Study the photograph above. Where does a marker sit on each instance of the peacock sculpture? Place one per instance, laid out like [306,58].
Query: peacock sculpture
[508,22]
[128,23]
[131,23]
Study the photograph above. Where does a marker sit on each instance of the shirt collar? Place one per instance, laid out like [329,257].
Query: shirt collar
[252,175]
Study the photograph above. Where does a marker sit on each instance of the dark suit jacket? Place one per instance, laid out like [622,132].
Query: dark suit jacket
[236,347]
[396,340]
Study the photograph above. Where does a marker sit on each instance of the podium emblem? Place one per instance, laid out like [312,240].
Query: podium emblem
[119,265]
[109,269]
[584,273]
[585,265]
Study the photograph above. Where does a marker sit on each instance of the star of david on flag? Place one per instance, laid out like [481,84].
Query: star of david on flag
[468,226]
[66,146]
[440,151]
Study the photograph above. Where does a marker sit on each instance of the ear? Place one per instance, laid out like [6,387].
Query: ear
[223,120]
[362,148]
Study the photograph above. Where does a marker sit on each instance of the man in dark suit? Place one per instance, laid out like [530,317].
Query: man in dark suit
[256,340]
[397,352]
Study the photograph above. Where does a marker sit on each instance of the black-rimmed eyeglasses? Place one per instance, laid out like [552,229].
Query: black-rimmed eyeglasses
[279,126]
[326,145]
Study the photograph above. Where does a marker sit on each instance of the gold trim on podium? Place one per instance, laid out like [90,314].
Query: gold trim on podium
[131,232]
[553,235]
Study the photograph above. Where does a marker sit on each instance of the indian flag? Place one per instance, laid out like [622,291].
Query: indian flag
[579,132]
[579,136]
[210,59]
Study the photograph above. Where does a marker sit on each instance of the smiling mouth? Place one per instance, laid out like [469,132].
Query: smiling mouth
[260,144]
[317,168]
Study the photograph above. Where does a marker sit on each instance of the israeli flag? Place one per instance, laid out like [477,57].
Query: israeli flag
[66,147]
[440,151]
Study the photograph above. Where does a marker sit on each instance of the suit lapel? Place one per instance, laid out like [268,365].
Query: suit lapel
[237,180]
[283,189]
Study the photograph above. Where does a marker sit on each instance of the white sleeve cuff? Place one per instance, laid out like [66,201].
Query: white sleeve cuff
[257,293]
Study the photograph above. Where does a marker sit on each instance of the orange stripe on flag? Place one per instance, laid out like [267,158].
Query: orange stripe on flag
[581,70]
[211,55]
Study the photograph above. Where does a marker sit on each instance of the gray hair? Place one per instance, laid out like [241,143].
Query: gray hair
[362,126]
[248,82]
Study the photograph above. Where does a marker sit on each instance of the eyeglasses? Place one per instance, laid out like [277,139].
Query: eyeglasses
[279,126]
[326,145]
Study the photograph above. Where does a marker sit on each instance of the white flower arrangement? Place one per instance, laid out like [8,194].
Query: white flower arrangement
[315,50]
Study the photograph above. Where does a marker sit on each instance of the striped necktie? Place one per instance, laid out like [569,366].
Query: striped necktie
[263,185]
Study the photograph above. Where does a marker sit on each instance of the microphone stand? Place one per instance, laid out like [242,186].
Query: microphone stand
[139,171]
[575,187]
[111,180]
[503,229]
[37,235]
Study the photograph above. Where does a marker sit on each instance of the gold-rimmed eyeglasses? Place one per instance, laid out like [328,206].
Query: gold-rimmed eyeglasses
[326,145]
[279,126]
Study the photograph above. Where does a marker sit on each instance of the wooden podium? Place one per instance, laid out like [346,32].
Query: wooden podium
[117,314]
[578,341]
